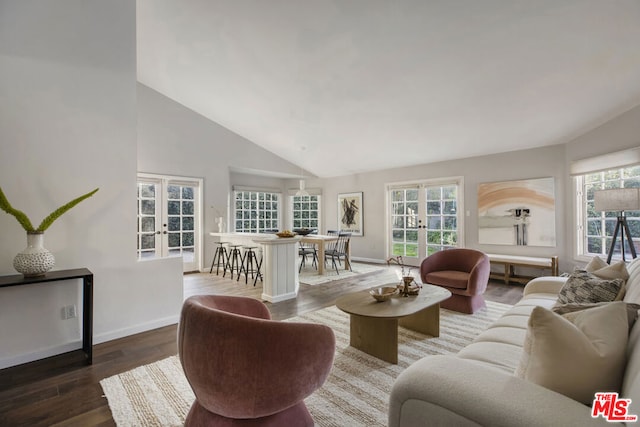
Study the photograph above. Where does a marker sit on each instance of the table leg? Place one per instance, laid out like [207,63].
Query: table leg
[425,321]
[321,257]
[375,336]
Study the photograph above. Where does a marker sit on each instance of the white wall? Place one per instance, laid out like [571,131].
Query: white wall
[536,163]
[175,140]
[68,125]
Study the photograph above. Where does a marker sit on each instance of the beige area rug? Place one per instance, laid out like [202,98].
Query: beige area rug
[355,394]
[310,276]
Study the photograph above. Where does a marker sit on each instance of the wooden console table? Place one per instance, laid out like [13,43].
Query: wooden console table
[511,261]
[87,298]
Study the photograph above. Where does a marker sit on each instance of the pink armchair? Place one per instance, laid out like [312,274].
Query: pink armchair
[464,272]
[248,370]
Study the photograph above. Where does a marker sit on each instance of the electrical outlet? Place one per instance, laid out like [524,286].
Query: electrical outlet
[69,312]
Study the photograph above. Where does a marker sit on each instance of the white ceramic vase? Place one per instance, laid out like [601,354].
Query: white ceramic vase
[34,260]
[220,221]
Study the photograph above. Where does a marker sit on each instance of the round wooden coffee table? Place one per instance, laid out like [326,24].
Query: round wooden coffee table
[374,325]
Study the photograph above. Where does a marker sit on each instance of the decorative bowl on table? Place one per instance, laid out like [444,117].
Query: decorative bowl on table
[383,293]
[285,233]
[304,231]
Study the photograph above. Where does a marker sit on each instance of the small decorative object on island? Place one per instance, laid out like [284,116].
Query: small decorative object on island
[35,260]
[407,286]
[285,233]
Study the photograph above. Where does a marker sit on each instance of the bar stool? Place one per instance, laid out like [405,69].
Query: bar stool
[249,263]
[221,256]
[234,261]
[259,272]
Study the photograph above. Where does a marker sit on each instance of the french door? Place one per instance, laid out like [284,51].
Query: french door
[424,217]
[169,219]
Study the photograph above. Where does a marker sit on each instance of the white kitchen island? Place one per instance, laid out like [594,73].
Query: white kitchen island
[279,262]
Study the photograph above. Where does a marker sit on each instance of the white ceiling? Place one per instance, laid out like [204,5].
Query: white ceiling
[347,86]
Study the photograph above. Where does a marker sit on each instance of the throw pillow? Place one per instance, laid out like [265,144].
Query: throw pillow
[584,287]
[598,267]
[568,310]
[576,358]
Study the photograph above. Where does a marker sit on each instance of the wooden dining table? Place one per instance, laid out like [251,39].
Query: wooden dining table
[321,240]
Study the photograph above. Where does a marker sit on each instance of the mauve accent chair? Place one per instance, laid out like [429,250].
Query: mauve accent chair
[246,369]
[464,272]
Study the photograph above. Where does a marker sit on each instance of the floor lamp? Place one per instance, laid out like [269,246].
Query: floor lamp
[619,200]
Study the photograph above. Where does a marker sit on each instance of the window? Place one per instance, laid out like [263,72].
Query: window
[169,218]
[425,217]
[305,212]
[596,229]
[256,211]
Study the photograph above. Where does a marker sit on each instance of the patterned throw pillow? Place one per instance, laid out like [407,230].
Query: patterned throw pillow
[583,287]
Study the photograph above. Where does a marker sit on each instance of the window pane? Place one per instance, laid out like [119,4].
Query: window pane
[148,224]
[187,193]
[173,191]
[148,241]
[174,240]
[187,223]
[187,239]
[148,190]
[174,223]
[148,207]
[187,208]
[173,208]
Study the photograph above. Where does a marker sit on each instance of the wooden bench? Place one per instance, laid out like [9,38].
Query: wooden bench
[511,261]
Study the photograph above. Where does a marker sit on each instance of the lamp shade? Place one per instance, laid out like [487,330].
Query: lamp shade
[302,191]
[617,199]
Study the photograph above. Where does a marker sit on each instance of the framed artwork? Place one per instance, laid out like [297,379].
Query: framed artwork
[520,213]
[350,213]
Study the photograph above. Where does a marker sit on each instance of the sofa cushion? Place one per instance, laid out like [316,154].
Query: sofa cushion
[448,278]
[579,357]
[585,287]
[505,357]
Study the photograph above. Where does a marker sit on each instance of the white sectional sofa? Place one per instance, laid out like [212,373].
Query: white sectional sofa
[478,386]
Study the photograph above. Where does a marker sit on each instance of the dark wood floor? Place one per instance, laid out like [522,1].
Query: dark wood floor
[62,391]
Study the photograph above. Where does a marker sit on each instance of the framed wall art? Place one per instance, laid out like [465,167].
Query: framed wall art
[520,213]
[350,213]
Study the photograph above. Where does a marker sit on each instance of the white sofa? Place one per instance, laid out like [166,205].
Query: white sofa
[478,387]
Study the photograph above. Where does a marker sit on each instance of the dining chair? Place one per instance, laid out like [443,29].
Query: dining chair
[305,250]
[338,251]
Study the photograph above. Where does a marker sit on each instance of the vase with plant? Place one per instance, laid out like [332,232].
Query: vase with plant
[35,260]
[408,280]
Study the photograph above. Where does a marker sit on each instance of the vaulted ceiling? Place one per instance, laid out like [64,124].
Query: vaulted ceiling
[347,86]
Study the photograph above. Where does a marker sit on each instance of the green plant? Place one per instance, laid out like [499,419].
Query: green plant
[25,222]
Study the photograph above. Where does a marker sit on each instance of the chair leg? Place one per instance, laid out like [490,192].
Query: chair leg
[217,254]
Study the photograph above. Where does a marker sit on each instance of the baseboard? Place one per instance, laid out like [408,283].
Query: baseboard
[40,354]
[370,260]
[136,329]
